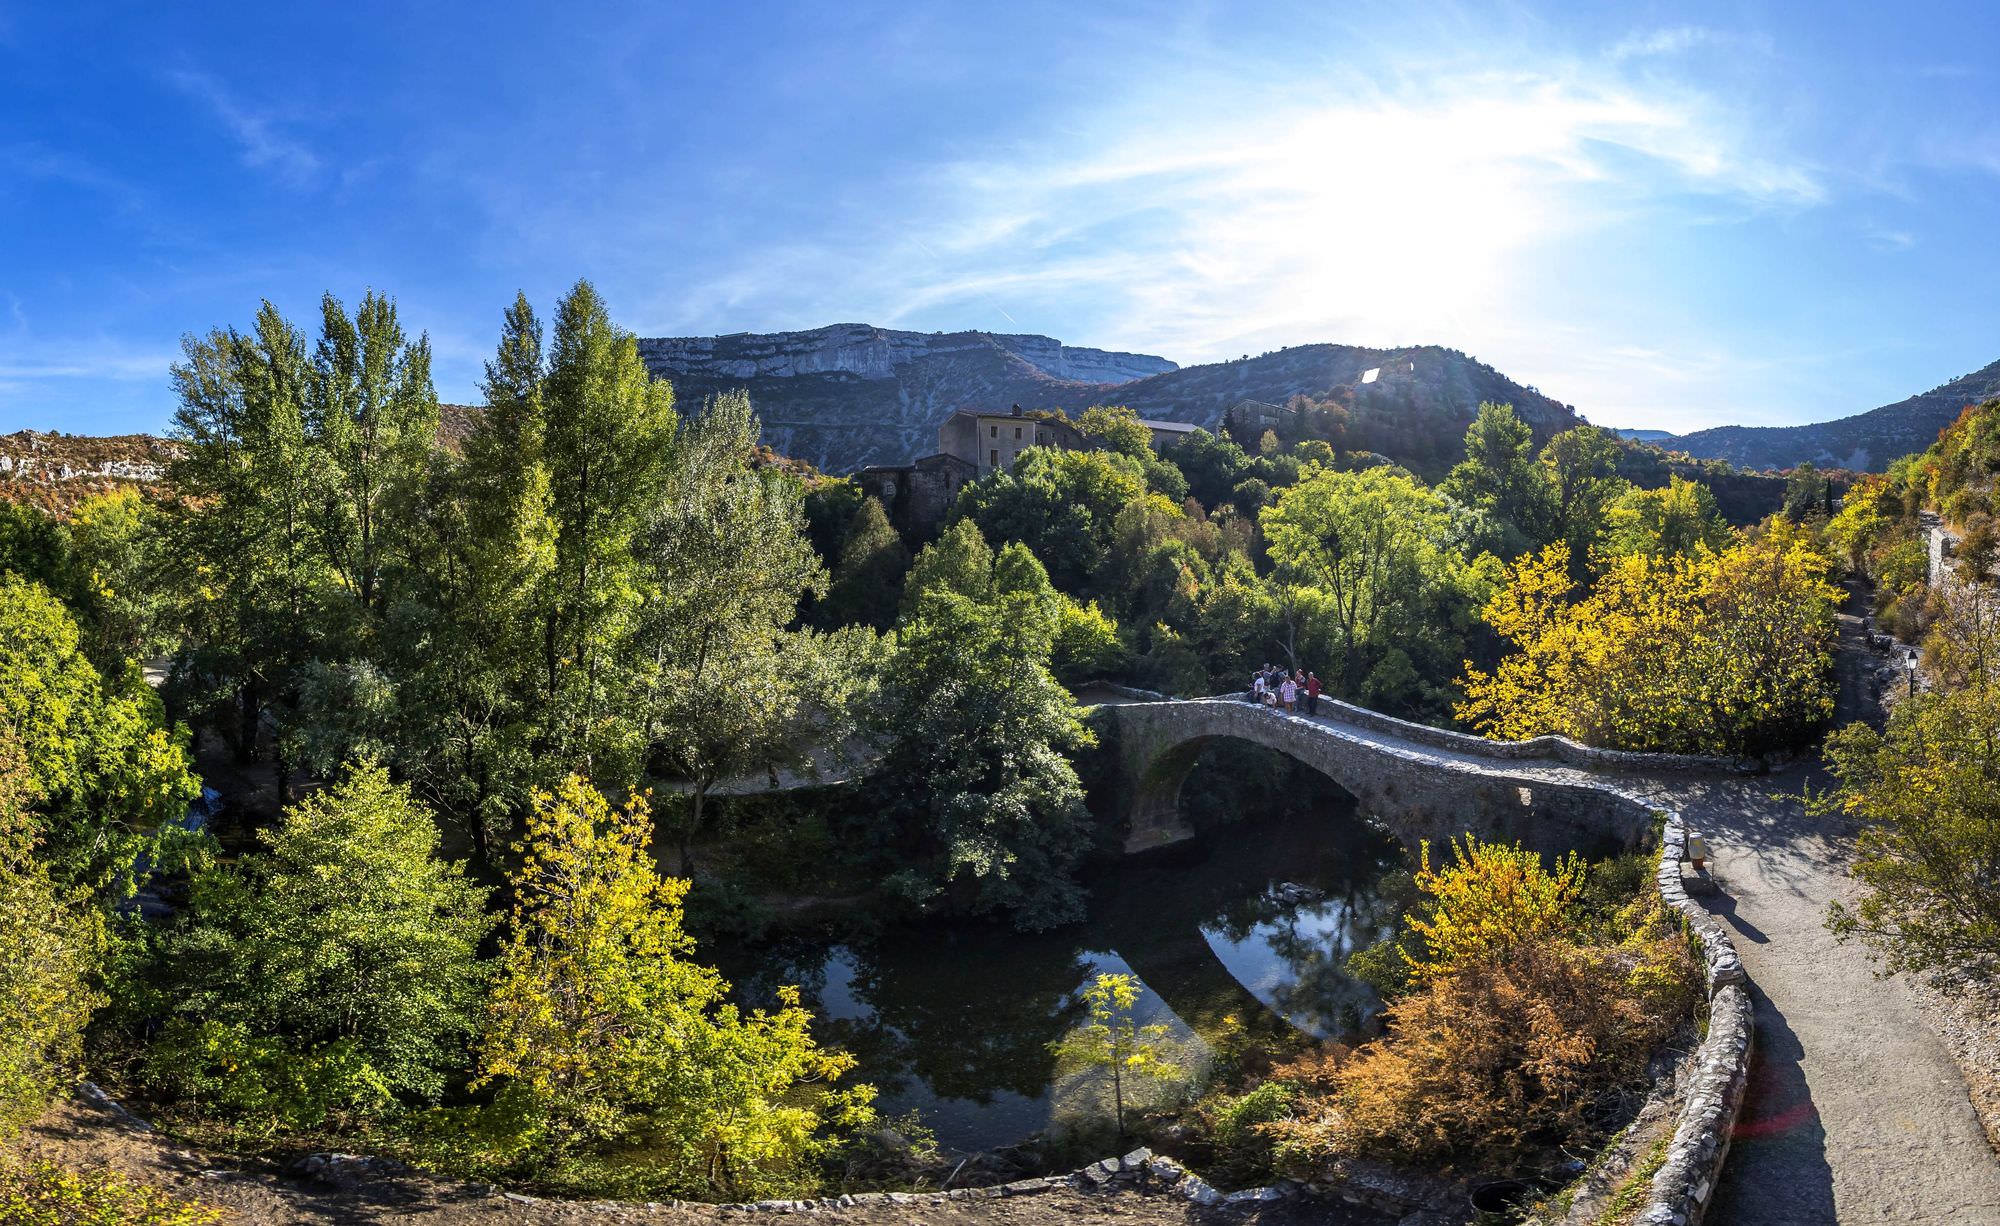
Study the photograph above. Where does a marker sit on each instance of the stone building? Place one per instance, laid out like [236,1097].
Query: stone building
[1167,433]
[1248,419]
[917,496]
[993,441]
[1940,547]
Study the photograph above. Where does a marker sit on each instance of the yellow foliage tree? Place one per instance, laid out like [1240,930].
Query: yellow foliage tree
[603,1034]
[1708,652]
[1491,900]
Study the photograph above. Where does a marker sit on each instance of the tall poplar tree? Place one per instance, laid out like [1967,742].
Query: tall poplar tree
[373,414]
[607,428]
[250,571]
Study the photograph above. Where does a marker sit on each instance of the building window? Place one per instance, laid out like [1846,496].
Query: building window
[1017,432]
[993,431]
[993,459]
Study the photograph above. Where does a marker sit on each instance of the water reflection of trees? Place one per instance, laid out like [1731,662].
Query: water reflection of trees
[969,1011]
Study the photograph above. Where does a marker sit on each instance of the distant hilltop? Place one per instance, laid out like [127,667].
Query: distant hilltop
[851,395]
[1865,442]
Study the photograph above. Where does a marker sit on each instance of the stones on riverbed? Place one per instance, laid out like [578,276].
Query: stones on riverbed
[1292,894]
[345,1170]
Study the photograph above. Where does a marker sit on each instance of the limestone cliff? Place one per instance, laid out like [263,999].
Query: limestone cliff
[849,395]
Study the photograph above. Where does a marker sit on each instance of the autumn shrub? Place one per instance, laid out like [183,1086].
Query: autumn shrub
[44,1194]
[1491,900]
[1519,1017]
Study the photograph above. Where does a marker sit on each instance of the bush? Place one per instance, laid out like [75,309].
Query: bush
[1515,1021]
[259,1083]
[1500,1056]
[49,946]
[1927,794]
[335,973]
[44,1194]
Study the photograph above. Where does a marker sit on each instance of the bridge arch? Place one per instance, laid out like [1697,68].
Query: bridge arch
[1421,782]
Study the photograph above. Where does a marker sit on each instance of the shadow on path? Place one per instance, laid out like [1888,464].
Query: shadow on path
[1724,905]
[1778,1170]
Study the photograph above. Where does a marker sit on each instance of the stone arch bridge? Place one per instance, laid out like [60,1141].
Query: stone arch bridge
[1550,794]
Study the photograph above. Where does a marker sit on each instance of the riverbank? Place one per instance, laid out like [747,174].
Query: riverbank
[100,1136]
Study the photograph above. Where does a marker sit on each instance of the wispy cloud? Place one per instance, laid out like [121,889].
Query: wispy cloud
[35,161]
[259,135]
[1410,210]
[1679,40]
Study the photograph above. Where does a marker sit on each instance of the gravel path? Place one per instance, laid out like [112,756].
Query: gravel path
[1857,1112]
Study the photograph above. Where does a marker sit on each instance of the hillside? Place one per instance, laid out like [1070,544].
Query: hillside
[1866,442]
[55,471]
[847,396]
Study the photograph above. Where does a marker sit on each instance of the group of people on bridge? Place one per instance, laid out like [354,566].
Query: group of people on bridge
[1274,687]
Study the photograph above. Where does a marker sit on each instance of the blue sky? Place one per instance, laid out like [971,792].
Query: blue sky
[1668,215]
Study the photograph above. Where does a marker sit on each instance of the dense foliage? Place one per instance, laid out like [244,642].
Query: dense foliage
[1723,653]
[984,809]
[335,972]
[1927,793]
[1526,1006]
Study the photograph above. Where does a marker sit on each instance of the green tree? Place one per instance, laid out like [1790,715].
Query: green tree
[1212,465]
[1118,428]
[727,684]
[469,641]
[867,572]
[958,561]
[1927,794]
[602,1031]
[1113,1043]
[1807,493]
[1679,519]
[119,593]
[1499,475]
[105,771]
[347,944]
[1373,549]
[978,801]
[373,417]
[1582,468]
[33,546]
[607,435]
[50,950]
[1062,504]
[243,542]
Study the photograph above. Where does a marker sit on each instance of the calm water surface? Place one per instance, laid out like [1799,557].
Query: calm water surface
[955,1020]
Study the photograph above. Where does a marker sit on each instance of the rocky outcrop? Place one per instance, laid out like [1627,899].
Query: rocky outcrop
[878,353]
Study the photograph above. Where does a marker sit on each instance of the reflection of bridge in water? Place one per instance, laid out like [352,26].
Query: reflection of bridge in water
[1208,931]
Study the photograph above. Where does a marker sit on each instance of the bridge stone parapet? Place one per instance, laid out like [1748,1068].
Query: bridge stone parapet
[1424,783]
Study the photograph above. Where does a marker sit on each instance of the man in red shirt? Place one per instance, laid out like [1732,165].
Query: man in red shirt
[1312,693]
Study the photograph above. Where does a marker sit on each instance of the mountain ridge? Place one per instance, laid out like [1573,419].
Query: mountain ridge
[850,395]
[1864,442]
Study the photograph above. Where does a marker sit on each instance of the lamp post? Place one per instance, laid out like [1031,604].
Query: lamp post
[1910,670]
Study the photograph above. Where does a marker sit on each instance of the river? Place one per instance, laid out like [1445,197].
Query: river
[1249,925]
